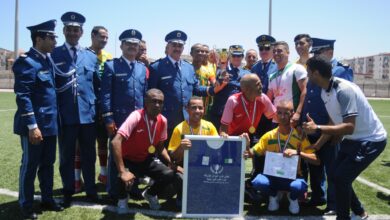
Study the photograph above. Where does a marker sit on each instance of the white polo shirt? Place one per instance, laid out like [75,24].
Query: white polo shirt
[344,99]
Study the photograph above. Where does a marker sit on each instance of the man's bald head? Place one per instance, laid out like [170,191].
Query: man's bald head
[250,86]
[249,80]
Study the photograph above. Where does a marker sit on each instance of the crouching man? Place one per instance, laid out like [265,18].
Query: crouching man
[136,146]
[283,139]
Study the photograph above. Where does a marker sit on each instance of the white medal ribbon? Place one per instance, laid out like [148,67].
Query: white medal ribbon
[192,130]
[151,138]
[246,111]
[285,143]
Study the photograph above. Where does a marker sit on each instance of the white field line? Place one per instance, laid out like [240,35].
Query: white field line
[7,110]
[373,185]
[111,208]
[179,215]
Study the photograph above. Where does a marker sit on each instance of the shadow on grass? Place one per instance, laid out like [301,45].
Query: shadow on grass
[10,210]
[384,197]
[112,215]
[385,163]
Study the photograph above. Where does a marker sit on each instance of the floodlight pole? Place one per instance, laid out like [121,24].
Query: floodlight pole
[16,46]
[270,18]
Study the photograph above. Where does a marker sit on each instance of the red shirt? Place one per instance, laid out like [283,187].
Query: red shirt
[135,131]
[235,117]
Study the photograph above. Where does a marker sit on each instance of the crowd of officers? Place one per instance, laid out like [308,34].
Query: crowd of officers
[138,112]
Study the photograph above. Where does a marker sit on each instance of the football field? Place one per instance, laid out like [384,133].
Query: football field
[375,201]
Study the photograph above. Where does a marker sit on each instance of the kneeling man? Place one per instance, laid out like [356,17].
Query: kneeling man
[283,139]
[136,146]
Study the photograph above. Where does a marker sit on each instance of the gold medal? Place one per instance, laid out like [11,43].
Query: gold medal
[151,149]
[252,129]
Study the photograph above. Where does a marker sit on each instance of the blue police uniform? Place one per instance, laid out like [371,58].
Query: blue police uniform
[37,108]
[315,107]
[122,91]
[178,83]
[263,69]
[77,82]
[233,86]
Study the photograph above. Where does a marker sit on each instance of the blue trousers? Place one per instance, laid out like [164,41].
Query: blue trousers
[86,135]
[322,191]
[36,157]
[270,185]
[352,159]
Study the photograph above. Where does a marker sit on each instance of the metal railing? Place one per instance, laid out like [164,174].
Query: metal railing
[372,88]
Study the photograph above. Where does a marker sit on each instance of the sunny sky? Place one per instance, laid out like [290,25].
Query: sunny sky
[360,27]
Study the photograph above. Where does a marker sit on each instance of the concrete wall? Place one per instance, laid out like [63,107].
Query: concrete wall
[6,79]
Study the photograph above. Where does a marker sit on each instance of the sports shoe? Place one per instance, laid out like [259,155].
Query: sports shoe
[294,205]
[102,179]
[273,203]
[329,212]
[146,181]
[152,200]
[364,215]
[122,207]
[78,185]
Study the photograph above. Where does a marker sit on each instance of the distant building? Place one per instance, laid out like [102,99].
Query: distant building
[375,67]
[6,59]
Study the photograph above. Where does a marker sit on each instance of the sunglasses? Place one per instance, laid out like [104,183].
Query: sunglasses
[265,48]
[236,56]
[51,37]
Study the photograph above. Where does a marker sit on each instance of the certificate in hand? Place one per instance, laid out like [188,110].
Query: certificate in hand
[277,165]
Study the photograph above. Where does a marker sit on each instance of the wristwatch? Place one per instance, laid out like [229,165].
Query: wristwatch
[318,129]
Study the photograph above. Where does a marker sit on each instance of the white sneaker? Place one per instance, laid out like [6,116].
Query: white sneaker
[152,200]
[359,217]
[294,205]
[273,203]
[146,181]
[122,207]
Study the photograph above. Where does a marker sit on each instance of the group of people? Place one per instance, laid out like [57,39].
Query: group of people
[139,112]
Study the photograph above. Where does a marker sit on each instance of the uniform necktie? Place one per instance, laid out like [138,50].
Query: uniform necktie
[131,66]
[74,53]
[177,67]
[264,65]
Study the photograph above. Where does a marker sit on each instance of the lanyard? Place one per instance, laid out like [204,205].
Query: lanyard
[285,143]
[151,138]
[280,75]
[192,130]
[246,111]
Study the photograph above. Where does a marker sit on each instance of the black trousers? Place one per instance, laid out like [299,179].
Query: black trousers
[152,167]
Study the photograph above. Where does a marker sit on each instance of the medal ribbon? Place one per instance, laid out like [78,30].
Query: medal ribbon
[151,138]
[246,111]
[285,143]
[192,130]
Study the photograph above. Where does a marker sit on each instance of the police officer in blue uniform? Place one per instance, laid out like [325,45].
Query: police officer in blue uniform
[263,68]
[177,79]
[323,193]
[76,81]
[325,48]
[123,88]
[234,72]
[36,118]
